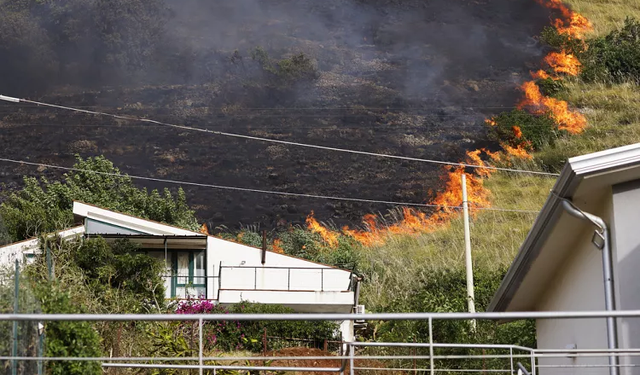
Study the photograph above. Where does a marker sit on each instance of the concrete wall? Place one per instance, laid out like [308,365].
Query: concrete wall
[577,286]
[20,250]
[625,235]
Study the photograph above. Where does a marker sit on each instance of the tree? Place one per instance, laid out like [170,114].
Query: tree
[4,235]
[44,206]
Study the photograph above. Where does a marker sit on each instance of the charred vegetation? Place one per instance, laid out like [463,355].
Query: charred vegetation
[405,77]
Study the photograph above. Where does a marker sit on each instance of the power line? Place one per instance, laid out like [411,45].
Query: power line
[289,143]
[354,108]
[249,190]
[270,126]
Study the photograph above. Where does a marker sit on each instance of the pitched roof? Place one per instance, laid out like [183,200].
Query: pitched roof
[585,179]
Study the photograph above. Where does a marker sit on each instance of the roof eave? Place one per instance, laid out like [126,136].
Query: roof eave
[574,171]
[549,214]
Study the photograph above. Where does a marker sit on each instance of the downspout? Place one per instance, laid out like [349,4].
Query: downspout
[607,272]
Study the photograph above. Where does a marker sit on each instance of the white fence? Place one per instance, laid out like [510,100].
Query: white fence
[356,354]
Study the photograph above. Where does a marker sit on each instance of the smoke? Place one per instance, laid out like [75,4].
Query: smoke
[95,43]
[419,77]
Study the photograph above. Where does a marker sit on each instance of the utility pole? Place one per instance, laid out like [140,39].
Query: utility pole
[467,251]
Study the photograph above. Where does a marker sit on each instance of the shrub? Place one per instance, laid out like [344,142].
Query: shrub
[520,128]
[445,291]
[563,42]
[295,69]
[68,339]
[247,335]
[45,206]
[551,87]
[120,266]
[614,57]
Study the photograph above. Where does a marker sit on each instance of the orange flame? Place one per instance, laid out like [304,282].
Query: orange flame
[517,132]
[562,62]
[330,237]
[571,23]
[568,120]
[541,74]
[204,229]
[277,246]
[519,152]
[448,201]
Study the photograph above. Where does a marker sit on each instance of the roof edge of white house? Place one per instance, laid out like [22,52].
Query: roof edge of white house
[155,228]
[133,222]
[574,171]
[34,243]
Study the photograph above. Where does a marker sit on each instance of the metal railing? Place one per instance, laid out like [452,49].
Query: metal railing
[357,355]
[273,285]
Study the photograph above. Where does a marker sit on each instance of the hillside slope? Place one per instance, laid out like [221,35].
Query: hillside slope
[613,114]
[405,77]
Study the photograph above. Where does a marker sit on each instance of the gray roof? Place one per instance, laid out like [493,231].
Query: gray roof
[587,176]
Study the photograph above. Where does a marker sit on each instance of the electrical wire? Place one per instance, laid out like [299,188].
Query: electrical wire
[249,190]
[289,143]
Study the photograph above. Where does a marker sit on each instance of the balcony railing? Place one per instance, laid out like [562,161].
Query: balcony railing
[298,279]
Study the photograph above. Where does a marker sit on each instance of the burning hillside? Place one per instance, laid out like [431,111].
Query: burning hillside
[450,198]
[405,77]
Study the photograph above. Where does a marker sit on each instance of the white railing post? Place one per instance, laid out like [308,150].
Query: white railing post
[431,346]
[511,358]
[533,363]
[351,361]
[200,354]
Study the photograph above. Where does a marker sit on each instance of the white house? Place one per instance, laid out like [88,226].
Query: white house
[202,266]
[582,254]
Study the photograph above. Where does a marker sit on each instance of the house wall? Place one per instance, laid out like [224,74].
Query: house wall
[9,253]
[577,286]
[625,235]
[21,250]
[242,277]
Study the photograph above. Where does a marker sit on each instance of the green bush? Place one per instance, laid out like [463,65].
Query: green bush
[244,335]
[537,130]
[68,339]
[614,57]
[445,291]
[45,206]
[551,87]
[122,267]
[563,42]
[295,69]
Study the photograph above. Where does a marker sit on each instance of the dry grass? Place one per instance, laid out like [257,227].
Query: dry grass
[606,15]
[613,113]
[495,238]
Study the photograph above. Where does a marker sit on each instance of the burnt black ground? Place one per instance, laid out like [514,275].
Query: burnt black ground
[417,77]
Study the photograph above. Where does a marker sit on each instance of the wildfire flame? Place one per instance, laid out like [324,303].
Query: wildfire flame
[519,152]
[568,120]
[517,132]
[204,229]
[277,246]
[448,201]
[571,23]
[562,62]
[329,236]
